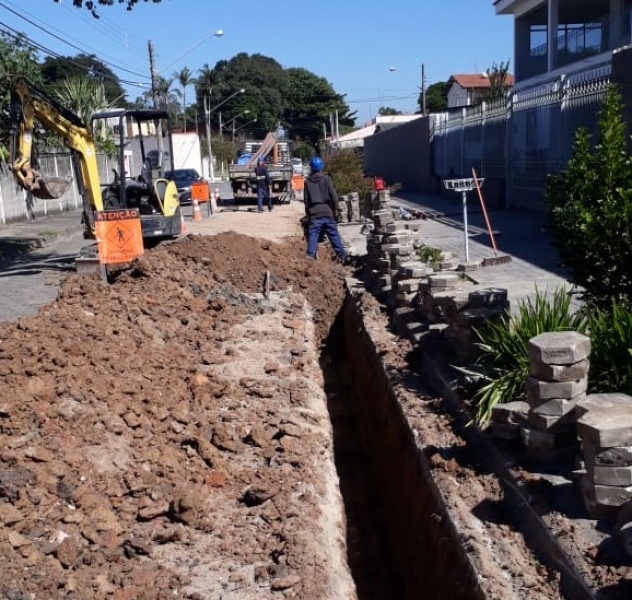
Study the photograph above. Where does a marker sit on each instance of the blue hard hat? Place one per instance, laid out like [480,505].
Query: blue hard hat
[261,159]
[316,164]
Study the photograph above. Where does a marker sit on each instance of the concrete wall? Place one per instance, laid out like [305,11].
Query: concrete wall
[403,155]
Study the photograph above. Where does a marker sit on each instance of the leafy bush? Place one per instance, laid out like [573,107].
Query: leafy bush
[429,255]
[611,348]
[503,365]
[346,169]
[590,203]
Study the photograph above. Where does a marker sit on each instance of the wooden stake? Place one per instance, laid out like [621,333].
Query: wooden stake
[480,197]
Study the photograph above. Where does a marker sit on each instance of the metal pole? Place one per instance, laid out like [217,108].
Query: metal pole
[423,89]
[467,248]
[208,137]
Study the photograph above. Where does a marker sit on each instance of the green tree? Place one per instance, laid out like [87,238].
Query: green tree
[81,66]
[388,111]
[185,78]
[16,59]
[91,5]
[310,100]
[436,97]
[590,203]
[498,75]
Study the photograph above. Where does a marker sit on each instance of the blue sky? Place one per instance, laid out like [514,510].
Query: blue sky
[352,44]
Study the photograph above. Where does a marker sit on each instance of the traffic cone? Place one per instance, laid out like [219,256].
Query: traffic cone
[183,228]
[197,213]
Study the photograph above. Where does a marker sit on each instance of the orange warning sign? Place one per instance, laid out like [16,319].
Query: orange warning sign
[119,235]
[298,182]
[200,191]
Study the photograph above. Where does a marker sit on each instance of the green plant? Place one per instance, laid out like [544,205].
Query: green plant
[346,168]
[611,348]
[503,365]
[429,255]
[590,203]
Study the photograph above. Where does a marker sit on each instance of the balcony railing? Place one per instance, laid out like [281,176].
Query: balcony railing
[577,42]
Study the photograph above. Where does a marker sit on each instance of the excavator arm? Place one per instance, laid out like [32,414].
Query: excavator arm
[29,103]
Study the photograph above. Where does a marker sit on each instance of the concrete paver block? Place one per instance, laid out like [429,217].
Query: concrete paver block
[544,372]
[544,390]
[559,347]
[602,402]
[607,428]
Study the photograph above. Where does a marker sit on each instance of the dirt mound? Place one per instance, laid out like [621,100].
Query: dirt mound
[159,436]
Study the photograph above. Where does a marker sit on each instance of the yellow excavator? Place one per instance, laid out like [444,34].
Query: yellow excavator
[145,147]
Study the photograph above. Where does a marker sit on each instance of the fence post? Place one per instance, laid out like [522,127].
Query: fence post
[509,149]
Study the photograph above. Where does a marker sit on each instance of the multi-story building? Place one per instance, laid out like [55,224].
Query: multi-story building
[562,36]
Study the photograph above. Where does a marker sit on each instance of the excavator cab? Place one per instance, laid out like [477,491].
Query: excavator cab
[144,151]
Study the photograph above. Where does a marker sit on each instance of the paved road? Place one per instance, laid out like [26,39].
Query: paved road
[32,279]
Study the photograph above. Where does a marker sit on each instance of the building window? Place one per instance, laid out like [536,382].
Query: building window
[537,40]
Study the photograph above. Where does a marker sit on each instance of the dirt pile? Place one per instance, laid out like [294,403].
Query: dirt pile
[163,436]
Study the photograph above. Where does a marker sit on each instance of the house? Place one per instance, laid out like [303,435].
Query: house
[564,36]
[355,139]
[470,89]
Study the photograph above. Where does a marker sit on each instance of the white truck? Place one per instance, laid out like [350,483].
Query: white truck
[278,157]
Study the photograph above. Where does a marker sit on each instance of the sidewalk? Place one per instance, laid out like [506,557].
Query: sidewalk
[522,235]
[24,236]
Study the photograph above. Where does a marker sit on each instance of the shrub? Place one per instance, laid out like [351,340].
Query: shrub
[429,255]
[590,203]
[503,365]
[346,169]
[611,348]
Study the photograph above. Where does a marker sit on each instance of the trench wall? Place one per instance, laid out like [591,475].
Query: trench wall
[423,541]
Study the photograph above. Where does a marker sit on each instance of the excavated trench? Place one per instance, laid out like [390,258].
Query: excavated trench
[401,544]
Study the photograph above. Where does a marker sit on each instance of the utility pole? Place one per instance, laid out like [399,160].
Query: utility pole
[423,89]
[152,70]
[207,111]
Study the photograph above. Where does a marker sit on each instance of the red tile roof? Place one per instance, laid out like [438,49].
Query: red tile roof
[476,81]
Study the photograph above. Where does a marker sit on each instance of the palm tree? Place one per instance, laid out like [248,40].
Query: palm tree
[83,96]
[185,78]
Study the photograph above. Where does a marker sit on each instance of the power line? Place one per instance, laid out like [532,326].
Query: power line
[61,39]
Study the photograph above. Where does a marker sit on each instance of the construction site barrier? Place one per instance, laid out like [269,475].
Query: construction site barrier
[200,191]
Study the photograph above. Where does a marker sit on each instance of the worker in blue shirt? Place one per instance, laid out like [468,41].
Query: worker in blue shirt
[263,184]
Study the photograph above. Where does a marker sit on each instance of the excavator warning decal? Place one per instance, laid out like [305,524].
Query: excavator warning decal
[119,236]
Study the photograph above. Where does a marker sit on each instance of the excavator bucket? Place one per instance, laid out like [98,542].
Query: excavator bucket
[50,188]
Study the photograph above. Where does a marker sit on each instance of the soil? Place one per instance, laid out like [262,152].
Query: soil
[167,435]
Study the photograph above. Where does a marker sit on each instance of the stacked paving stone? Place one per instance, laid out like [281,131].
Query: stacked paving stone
[437,296]
[558,378]
[390,245]
[407,280]
[604,426]
[471,312]
[350,208]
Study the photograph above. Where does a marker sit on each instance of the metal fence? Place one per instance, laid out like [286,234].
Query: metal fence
[521,139]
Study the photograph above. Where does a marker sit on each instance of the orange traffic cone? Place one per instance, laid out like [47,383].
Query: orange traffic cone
[183,228]
[197,213]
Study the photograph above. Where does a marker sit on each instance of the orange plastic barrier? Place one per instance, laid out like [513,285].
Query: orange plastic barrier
[298,182]
[200,191]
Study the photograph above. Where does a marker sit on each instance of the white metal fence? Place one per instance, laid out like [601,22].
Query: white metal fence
[19,205]
[524,138]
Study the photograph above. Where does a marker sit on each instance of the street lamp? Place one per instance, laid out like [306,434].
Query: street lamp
[234,120]
[242,126]
[219,33]
[207,112]
[421,88]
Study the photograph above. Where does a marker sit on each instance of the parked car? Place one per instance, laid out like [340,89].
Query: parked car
[183,178]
